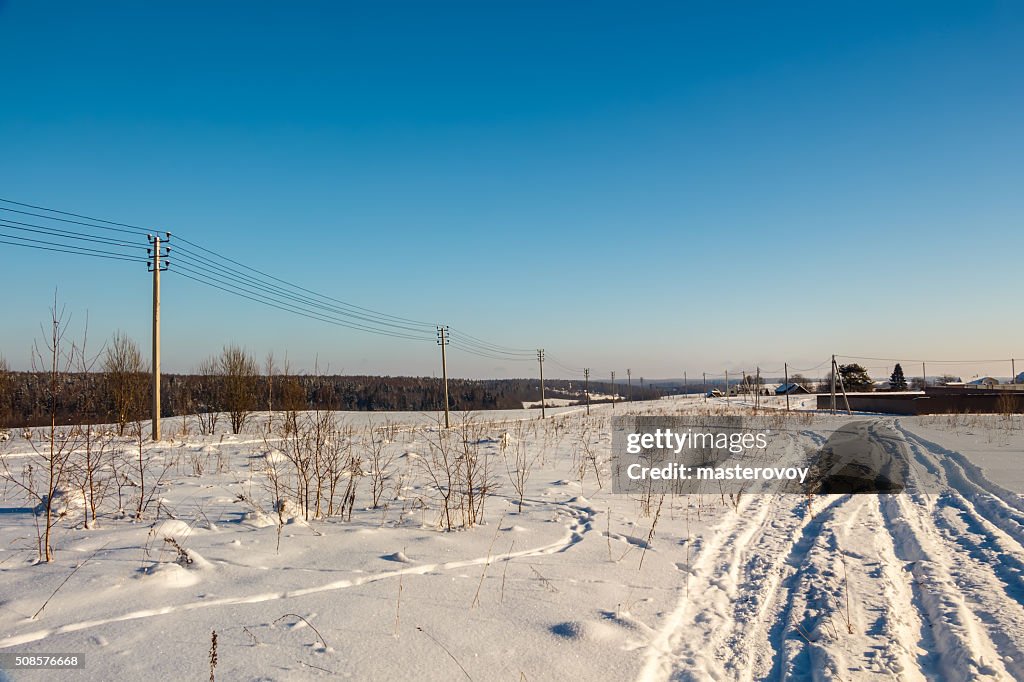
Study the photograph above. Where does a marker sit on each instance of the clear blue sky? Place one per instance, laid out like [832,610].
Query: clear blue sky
[662,186]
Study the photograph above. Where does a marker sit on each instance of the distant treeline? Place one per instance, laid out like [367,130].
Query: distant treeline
[29,398]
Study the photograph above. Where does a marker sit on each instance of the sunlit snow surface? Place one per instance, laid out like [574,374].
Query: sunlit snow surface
[583,584]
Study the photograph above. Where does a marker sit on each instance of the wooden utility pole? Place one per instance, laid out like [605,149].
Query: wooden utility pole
[832,384]
[924,377]
[442,340]
[586,386]
[629,382]
[1013,370]
[785,369]
[540,359]
[757,391]
[156,253]
[842,388]
[705,386]
[613,389]
[726,387]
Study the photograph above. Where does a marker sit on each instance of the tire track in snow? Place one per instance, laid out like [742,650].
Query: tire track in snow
[575,532]
[1000,507]
[726,540]
[959,645]
[727,594]
[989,565]
[788,636]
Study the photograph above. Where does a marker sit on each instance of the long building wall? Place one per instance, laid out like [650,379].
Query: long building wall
[943,401]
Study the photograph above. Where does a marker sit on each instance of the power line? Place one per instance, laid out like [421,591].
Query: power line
[483,354]
[571,370]
[937,362]
[218,267]
[77,252]
[462,338]
[242,279]
[305,290]
[496,347]
[40,229]
[75,215]
[75,222]
[84,250]
[249,292]
[285,309]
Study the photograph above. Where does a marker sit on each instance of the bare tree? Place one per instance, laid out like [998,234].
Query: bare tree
[271,369]
[44,478]
[291,398]
[518,460]
[441,469]
[375,442]
[207,395]
[6,384]
[88,459]
[126,377]
[238,372]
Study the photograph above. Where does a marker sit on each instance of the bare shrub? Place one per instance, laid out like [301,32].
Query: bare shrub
[44,478]
[6,390]
[125,375]
[238,372]
[379,459]
[206,396]
[519,461]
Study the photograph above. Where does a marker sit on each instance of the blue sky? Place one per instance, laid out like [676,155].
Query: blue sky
[670,186]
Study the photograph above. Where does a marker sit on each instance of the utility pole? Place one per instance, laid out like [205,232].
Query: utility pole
[843,389]
[613,389]
[586,387]
[757,391]
[924,377]
[785,368]
[726,387]
[832,384]
[629,381]
[442,340]
[540,359]
[705,386]
[686,388]
[1013,370]
[156,266]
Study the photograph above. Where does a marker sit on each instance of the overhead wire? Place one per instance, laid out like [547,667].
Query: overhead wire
[64,234]
[76,251]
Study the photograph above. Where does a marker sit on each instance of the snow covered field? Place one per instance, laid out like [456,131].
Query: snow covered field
[580,584]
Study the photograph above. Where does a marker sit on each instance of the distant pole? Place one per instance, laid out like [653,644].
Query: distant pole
[726,387]
[757,390]
[613,389]
[540,359]
[705,386]
[924,377]
[1013,370]
[442,340]
[833,384]
[156,252]
[629,381]
[785,368]
[586,386]
[842,387]
[686,387]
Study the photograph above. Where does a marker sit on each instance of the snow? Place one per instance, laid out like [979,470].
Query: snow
[581,584]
